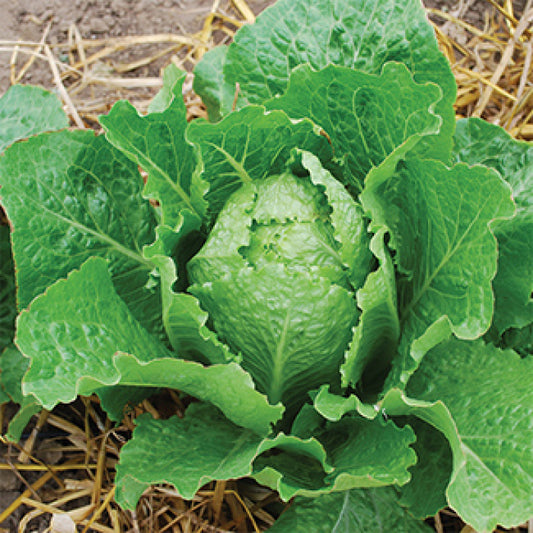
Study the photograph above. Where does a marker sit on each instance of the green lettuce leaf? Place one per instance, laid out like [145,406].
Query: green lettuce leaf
[190,452]
[156,142]
[26,111]
[249,145]
[69,196]
[353,511]
[366,116]
[478,142]
[445,266]
[355,34]
[354,463]
[89,321]
[488,421]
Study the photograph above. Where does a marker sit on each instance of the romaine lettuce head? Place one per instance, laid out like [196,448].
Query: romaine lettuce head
[279,282]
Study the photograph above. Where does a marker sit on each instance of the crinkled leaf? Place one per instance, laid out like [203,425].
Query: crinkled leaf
[355,463]
[249,145]
[367,117]
[354,511]
[447,264]
[156,142]
[26,110]
[69,196]
[478,142]
[88,320]
[8,303]
[190,452]
[349,224]
[376,335]
[425,494]
[358,34]
[333,407]
[489,422]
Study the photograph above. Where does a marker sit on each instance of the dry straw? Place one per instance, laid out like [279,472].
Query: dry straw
[492,65]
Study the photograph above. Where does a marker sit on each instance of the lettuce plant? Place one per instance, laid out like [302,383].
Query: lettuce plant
[334,269]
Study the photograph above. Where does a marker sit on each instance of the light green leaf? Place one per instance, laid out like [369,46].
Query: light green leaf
[488,420]
[376,335]
[354,511]
[183,318]
[366,116]
[209,83]
[22,418]
[27,110]
[190,452]
[249,145]
[438,219]
[358,34]
[173,79]
[13,366]
[156,142]
[333,407]
[69,196]
[85,317]
[478,142]
[8,304]
[354,463]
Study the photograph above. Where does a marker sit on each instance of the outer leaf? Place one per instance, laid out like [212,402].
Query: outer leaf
[8,305]
[478,142]
[227,451]
[13,366]
[358,34]
[425,494]
[354,511]
[209,82]
[488,421]
[376,335]
[71,196]
[173,79]
[447,264]
[249,145]
[157,143]
[355,463]
[27,110]
[22,418]
[366,116]
[85,317]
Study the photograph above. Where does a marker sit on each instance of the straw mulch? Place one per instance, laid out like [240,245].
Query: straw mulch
[67,461]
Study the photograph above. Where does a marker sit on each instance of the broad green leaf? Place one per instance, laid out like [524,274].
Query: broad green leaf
[8,304]
[209,83]
[156,142]
[353,511]
[249,145]
[184,320]
[439,223]
[333,407]
[355,463]
[376,335]
[13,366]
[190,452]
[481,398]
[366,116]
[26,111]
[358,34]
[88,320]
[425,494]
[69,196]
[478,142]
[71,333]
